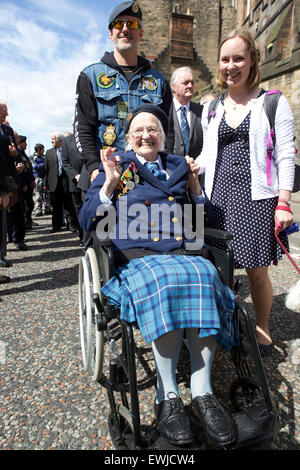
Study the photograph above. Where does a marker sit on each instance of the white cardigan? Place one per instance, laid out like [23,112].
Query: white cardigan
[283,162]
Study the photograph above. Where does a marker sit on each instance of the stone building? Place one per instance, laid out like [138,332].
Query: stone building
[275,25]
[188,32]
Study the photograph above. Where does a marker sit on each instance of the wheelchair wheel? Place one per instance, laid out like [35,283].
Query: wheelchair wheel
[245,393]
[95,337]
[92,341]
[84,315]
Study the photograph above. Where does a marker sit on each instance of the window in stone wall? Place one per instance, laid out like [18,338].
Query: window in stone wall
[181,36]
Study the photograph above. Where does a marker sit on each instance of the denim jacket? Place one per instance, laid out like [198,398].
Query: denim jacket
[116,98]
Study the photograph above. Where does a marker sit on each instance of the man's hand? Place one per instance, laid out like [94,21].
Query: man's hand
[4,200]
[12,150]
[94,174]
[20,167]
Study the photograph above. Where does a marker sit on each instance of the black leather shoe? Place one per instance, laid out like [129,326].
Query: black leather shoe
[172,422]
[4,263]
[21,246]
[218,424]
[55,229]
[72,229]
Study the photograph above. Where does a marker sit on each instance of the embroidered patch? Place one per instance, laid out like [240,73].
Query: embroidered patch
[150,83]
[104,81]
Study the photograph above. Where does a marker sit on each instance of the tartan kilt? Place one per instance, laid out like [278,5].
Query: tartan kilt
[162,293]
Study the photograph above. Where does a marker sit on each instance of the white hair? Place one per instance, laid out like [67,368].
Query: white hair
[178,72]
[128,145]
[58,135]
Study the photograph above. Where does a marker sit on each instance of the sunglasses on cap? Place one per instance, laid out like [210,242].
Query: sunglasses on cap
[131,24]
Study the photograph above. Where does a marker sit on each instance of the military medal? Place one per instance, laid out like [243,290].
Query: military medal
[126,182]
[130,184]
[109,136]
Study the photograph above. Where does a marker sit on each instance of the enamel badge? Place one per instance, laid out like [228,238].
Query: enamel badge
[109,136]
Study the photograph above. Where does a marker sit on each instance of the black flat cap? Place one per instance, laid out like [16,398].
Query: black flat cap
[22,138]
[152,109]
[125,8]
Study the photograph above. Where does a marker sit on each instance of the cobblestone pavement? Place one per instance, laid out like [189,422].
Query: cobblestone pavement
[47,401]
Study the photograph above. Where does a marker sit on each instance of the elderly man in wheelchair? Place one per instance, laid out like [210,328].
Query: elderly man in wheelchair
[163,284]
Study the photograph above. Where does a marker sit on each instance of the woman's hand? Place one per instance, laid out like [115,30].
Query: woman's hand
[283,218]
[193,181]
[111,168]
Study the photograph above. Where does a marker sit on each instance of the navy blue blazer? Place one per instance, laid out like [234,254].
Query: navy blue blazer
[143,226]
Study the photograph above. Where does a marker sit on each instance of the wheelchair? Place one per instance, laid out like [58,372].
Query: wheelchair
[111,357]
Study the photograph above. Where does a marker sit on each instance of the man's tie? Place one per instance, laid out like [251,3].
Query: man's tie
[185,129]
[59,161]
[154,168]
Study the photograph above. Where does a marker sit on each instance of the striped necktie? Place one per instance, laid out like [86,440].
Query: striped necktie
[185,129]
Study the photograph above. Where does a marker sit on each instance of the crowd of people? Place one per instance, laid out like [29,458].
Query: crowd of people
[138,137]
[30,187]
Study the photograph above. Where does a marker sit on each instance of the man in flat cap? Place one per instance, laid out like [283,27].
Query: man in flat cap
[108,91]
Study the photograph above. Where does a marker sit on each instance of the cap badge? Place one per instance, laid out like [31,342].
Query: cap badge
[135,8]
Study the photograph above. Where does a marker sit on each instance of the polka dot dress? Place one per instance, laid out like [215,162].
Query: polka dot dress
[251,222]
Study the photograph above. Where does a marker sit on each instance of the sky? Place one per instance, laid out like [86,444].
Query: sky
[44,46]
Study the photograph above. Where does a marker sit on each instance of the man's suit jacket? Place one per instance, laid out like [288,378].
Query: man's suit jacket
[174,142]
[72,163]
[52,179]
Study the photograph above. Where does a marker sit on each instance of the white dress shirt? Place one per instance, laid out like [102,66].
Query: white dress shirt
[177,107]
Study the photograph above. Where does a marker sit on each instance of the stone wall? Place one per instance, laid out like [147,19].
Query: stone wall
[275,26]
[211,19]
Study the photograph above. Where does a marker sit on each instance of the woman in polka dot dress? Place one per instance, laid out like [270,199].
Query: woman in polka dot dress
[234,159]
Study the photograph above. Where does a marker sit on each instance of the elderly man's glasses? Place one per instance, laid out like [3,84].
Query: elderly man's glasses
[152,131]
[131,24]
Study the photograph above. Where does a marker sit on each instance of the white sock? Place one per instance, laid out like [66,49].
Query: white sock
[201,353]
[166,353]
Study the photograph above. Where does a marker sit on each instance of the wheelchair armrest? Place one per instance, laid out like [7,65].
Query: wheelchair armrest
[217,234]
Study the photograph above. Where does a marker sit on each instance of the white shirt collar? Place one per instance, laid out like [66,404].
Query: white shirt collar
[178,105]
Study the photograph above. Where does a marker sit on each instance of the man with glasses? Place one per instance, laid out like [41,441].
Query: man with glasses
[108,91]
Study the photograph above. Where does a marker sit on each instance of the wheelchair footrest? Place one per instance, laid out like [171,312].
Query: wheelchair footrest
[255,425]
